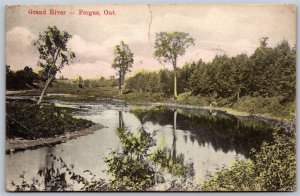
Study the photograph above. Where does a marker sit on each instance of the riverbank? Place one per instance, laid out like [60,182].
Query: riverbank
[175,105]
[259,107]
[19,144]
[224,110]
[29,125]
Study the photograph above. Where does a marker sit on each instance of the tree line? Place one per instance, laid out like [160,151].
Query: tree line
[21,79]
[268,72]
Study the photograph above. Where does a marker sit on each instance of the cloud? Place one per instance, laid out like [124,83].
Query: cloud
[86,51]
[88,70]
[218,29]
[19,49]
[20,35]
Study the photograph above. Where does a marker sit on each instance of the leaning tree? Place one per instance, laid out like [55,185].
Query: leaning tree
[169,46]
[123,60]
[54,54]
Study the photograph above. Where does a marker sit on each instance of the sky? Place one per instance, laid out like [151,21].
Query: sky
[217,30]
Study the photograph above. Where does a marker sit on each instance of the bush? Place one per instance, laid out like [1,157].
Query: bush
[273,168]
[275,163]
[239,177]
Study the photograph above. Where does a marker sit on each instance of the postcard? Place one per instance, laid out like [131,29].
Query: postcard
[150,97]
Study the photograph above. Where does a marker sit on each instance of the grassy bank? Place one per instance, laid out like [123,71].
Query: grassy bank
[29,121]
[266,106]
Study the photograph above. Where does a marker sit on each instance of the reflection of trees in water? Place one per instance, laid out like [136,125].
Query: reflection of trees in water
[56,175]
[174,134]
[121,120]
[137,167]
[223,132]
[54,179]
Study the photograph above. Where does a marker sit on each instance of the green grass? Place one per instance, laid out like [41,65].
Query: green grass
[185,98]
[69,91]
[139,97]
[267,106]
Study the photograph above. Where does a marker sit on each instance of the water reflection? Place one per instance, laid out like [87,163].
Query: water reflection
[174,135]
[121,120]
[140,165]
[223,132]
[142,148]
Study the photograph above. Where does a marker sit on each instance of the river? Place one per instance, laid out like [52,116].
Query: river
[207,140]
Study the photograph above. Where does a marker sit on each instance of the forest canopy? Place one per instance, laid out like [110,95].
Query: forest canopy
[267,72]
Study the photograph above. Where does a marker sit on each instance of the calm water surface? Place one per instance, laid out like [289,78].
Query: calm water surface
[206,139]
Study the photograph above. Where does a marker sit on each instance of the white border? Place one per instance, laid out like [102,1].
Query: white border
[2,80]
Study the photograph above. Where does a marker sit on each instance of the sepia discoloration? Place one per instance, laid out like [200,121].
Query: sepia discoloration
[225,27]
[151,97]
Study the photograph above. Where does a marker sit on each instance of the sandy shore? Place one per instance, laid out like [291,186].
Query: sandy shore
[18,144]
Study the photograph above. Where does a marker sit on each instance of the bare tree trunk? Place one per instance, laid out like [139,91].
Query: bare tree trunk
[120,85]
[175,84]
[44,90]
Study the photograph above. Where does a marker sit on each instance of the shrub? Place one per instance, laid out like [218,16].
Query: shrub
[239,177]
[273,168]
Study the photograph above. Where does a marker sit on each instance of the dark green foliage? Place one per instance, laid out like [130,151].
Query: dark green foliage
[169,46]
[275,163]
[30,121]
[267,78]
[138,144]
[273,167]
[123,60]
[159,82]
[135,168]
[21,79]
[267,72]
[80,82]
[129,173]
[144,82]
[173,165]
[54,54]
[239,177]
[223,132]
[53,51]
[130,170]
[166,81]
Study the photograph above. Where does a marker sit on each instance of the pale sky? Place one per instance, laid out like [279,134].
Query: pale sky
[217,29]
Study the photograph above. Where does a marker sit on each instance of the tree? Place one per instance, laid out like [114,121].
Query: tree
[54,54]
[27,77]
[169,46]
[21,79]
[80,82]
[123,60]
